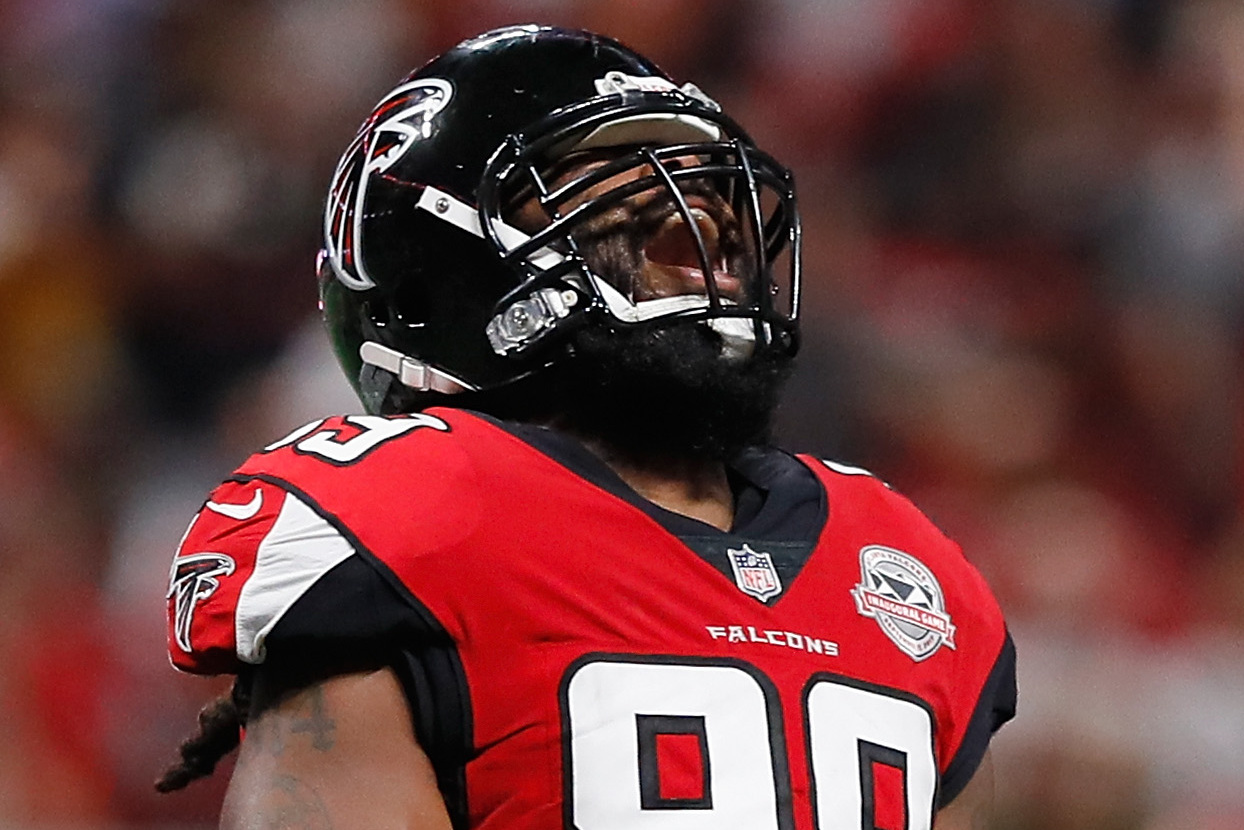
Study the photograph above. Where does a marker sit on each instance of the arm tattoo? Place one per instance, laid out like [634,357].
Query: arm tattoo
[315,721]
[273,731]
[291,805]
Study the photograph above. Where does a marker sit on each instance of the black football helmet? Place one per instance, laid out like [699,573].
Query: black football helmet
[429,288]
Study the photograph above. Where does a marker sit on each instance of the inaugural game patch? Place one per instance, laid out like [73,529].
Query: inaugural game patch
[905,599]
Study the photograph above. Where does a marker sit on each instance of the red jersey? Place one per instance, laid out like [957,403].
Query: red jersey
[575,656]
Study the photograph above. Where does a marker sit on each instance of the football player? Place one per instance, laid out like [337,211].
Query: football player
[557,576]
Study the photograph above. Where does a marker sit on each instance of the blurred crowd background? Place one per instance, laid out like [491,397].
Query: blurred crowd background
[1024,225]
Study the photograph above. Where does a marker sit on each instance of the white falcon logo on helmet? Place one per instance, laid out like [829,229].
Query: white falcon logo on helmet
[402,118]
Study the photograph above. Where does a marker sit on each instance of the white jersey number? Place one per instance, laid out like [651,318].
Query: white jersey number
[621,716]
[359,435]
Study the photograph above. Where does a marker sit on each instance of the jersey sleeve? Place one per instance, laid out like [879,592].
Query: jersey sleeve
[260,573]
[994,707]
[984,681]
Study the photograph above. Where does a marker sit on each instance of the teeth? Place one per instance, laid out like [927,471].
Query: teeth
[708,228]
[704,220]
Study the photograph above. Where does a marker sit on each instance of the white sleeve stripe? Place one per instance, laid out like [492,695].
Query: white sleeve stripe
[299,549]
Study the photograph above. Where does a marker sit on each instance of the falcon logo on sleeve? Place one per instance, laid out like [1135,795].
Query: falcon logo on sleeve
[192,580]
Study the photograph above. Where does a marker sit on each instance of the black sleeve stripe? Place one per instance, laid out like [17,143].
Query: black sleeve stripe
[432,681]
[416,646]
[995,707]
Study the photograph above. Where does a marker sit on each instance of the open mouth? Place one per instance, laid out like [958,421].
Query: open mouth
[674,265]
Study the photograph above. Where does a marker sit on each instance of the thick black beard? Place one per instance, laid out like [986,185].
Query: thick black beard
[663,393]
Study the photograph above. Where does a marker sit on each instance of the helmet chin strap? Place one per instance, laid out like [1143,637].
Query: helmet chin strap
[411,372]
[738,337]
[738,334]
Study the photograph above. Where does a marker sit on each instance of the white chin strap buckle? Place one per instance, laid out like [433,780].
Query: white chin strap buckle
[738,334]
[411,372]
[738,337]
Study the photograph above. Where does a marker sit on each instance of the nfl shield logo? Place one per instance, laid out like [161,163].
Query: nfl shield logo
[754,573]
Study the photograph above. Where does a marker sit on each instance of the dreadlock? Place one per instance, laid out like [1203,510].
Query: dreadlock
[220,731]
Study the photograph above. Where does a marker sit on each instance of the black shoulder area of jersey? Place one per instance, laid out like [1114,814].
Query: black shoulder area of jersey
[354,620]
[351,619]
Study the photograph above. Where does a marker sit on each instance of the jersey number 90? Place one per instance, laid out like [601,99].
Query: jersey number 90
[701,746]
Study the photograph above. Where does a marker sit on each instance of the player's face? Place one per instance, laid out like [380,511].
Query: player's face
[644,245]
[659,391]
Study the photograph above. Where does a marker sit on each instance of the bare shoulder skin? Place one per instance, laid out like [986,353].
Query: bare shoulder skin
[339,753]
